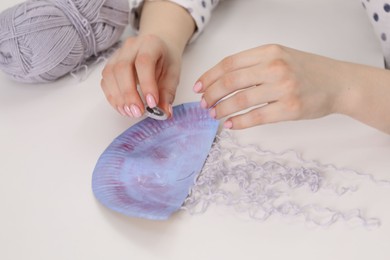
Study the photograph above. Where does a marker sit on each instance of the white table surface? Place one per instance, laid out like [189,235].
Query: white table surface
[51,136]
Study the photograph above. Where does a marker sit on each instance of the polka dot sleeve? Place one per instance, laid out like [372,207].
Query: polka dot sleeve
[200,11]
[379,14]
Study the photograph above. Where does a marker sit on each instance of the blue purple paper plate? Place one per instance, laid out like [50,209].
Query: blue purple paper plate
[148,170]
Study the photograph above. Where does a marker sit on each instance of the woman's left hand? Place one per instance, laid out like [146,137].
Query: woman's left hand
[272,83]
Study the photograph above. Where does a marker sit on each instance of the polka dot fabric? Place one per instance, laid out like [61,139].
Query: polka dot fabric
[377,10]
[379,14]
[200,11]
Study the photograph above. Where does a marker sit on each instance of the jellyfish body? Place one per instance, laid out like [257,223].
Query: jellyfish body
[149,169]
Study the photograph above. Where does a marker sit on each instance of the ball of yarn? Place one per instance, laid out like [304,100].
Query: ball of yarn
[43,40]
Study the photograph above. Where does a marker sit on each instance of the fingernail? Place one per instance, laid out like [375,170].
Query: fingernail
[151,101]
[170,110]
[197,87]
[136,111]
[228,124]
[121,111]
[213,113]
[203,103]
[128,111]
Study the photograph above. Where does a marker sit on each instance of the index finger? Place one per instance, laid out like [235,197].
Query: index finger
[238,61]
[146,63]
[230,63]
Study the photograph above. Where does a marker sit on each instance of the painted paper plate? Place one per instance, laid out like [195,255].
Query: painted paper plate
[149,169]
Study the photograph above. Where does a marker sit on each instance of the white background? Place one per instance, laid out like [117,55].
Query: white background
[51,136]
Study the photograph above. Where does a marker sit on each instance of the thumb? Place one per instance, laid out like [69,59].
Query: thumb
[167,93]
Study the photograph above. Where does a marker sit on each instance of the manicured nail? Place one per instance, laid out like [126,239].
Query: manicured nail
[197,87]
[170,110]
[151,101]
[121,111]
[203,103]
[228,124]
[128,111]
[136,111]
[213,113]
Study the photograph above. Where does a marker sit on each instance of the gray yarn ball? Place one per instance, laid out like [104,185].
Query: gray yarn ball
[43,40]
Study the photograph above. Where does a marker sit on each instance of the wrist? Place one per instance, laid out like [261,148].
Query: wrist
[168,21]
[365,96]
[347,93]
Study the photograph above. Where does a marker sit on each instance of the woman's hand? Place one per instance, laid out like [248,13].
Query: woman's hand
[151,60]
[272,83]
[146,60]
